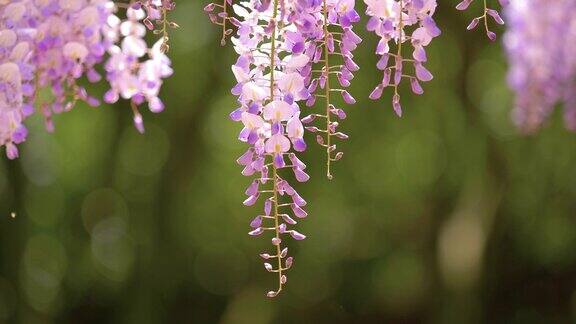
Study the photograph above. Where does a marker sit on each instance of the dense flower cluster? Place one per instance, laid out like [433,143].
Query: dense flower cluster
[464,4]
[134,71]
[540,43]
[270,87]
[50,45]
[391,20]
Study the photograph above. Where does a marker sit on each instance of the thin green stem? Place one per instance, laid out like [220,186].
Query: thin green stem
[399,53]
[327,90]
[485,16]
[224,9]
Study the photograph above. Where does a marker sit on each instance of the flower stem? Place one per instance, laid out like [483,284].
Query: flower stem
[327,90]
[274,169]
[225,10]
[399,53]
[485,16]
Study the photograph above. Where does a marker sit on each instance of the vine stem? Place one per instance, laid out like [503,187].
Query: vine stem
[275,170]
[485,16]
[327,89]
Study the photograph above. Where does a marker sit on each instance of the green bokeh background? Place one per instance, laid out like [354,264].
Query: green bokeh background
[447,215]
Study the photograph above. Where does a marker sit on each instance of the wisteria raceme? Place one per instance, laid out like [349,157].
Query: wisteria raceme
[218,14]
[134,71]
[540,43]
[270,87]
[391,20]
[493,13]
[324,34]
[156,18]
[52,44]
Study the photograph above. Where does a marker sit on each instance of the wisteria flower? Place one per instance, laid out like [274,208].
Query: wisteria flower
[271,85]
[402,23]
[487,13]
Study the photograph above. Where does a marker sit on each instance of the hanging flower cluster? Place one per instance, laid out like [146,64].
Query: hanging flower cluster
[540,43]
[290,52]
[271,75]
[464,4]
[49,46]
[404,23]
[218,14]
[134,71]
[325,34]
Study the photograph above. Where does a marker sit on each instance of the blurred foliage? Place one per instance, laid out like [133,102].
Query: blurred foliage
[447,215]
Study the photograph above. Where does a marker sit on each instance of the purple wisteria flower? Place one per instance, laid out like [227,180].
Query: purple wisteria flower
[324,34]
[540,43]
[403,23]
[271,86]
[51,44]
[493,13]
[134,71]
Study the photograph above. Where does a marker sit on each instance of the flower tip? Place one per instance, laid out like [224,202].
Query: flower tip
[491,35]
[139,123]
[11,151]
[256,232]
[297,236]
[376,93]
[473,24]
[463,5]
